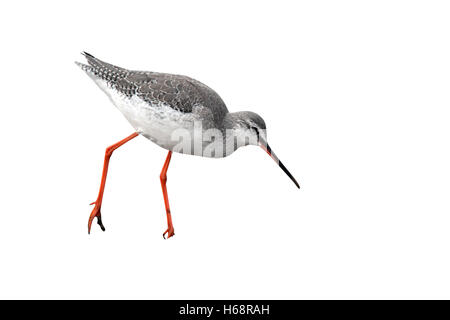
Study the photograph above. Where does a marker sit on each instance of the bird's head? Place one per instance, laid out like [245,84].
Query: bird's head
[249,128]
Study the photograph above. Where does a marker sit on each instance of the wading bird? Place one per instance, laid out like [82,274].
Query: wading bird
[179,114]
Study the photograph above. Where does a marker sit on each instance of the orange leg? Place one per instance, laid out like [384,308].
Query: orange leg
[163,177]
[98,203]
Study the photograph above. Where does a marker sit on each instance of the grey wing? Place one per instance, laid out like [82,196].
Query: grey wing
[165,88]
[151,86]
[179,92]
[211,99]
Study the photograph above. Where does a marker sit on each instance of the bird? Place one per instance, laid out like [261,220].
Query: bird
[178,113]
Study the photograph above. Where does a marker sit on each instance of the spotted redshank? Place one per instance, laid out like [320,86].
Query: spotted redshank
[179,114]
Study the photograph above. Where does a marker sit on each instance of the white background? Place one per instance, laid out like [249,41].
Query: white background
[356,98]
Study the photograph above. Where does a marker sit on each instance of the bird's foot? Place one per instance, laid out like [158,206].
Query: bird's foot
[95,213]
[170,232]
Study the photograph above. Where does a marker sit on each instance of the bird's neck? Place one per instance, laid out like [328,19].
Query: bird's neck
[230,121]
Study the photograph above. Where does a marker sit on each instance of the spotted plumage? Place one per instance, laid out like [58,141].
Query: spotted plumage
[179,92]
[168,109]
[158,105]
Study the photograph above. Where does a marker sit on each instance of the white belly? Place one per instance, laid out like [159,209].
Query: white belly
[158,122]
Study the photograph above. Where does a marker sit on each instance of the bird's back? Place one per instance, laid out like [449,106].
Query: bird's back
[180,93]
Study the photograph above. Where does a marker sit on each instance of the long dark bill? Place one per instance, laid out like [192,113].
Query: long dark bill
[265,146]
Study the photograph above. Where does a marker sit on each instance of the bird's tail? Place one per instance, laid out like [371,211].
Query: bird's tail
[100,69]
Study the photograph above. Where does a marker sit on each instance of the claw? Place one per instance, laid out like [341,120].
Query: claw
[99,222]
[170,233]
[95,213]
